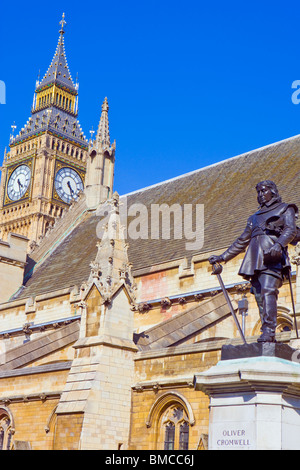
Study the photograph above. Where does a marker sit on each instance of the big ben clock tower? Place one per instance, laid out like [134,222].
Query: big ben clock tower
[44,171]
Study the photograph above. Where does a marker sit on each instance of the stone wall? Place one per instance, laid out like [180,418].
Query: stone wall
[164,379]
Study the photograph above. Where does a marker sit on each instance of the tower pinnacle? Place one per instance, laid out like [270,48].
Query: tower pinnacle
[100,163]
[103,137]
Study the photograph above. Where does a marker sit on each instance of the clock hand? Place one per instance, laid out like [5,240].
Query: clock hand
[70,188]
[20,184]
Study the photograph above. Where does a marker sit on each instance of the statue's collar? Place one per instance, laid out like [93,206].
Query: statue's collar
[269,206]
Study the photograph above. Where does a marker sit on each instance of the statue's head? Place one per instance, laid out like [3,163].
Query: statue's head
[267,191]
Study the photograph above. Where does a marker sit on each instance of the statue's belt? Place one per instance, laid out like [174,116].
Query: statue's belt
[258,231]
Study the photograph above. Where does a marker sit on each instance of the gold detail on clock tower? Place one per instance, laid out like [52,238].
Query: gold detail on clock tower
[32,194]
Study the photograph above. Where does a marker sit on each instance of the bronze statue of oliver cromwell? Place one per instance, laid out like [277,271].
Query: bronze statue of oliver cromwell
[266,263]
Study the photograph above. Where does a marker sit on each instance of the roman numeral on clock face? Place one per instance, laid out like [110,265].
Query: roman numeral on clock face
[68,184]
[18,182]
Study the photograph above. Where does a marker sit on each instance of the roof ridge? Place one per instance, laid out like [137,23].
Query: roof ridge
[62,229]
[210,166]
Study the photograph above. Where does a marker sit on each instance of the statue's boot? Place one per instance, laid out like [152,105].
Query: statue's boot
[269,292]
[266,289]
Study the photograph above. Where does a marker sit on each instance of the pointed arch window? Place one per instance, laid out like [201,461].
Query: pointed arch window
[169,421]
[176,426]
[6,430]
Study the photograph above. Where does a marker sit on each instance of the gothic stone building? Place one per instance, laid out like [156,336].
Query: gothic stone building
[101,333]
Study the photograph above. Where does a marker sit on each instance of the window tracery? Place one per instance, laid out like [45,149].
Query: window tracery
[6,430]
[175,424]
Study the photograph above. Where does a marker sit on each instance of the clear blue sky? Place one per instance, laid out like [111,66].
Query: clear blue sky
[188,83]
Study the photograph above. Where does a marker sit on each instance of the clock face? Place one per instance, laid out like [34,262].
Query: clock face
[18,182]
[68,184]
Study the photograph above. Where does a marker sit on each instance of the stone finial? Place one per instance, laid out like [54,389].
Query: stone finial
[103,137]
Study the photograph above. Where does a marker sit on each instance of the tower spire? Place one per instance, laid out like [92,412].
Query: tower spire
[103,137]
[100,163]
[58,71]
[51,143]
[55,102]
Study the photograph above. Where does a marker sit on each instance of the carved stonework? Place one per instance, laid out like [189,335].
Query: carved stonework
[111,266]
[165,303]
[144,307]
[295,259]
[199,297]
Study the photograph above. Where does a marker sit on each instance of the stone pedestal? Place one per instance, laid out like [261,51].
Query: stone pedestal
[254,396]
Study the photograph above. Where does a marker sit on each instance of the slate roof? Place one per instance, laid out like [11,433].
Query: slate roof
[226,189]
[58,70]
[68,265]
[56,121]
